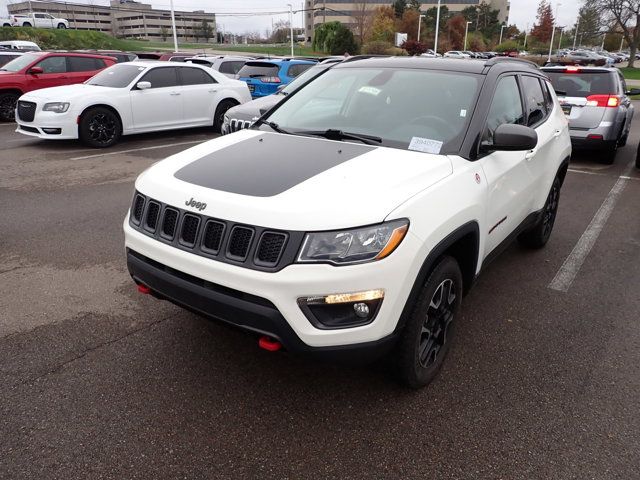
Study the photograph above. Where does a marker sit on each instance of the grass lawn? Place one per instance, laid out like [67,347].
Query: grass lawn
[284,49]
[631,73]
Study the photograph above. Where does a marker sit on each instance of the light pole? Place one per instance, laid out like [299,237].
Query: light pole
[604,35]
[435,46]
[173,27]
[575,36]
[560,41]
[466,31]
[526,32]
[291,25]
[420,17]
[621,41]
[553,31]
[501,29]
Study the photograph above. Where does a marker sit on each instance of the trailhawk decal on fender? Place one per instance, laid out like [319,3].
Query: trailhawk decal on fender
[267,165]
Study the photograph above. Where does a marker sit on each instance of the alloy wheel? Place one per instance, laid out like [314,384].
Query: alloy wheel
[102,128]
[433,335]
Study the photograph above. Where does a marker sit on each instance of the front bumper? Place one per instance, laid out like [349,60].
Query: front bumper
[277,312]
[50,125]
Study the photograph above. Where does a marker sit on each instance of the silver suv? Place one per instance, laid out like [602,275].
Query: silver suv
[597,104]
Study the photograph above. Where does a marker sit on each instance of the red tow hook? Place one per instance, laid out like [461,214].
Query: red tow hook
[269,344]
[144,289]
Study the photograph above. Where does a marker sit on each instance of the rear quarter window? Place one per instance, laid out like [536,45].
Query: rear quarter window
[582,84]
[295,70]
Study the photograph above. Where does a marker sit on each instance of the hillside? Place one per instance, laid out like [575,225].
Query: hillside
[52,39]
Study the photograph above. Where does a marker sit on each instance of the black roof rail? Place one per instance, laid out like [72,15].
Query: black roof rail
[495,60]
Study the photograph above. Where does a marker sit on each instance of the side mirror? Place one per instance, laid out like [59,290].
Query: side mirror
[633,91]
[36,71]
[509,137]
[143,85]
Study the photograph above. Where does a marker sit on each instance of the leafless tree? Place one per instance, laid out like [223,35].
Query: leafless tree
[624,16]
[363,19]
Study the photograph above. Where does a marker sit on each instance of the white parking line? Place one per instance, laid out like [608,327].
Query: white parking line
[573,170]
[571,266]
[155,147]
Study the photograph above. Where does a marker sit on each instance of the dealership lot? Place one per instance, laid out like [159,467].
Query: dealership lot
[100,382]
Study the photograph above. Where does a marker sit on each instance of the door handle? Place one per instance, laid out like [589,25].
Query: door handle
[530,154]
[557,133]
[213,91]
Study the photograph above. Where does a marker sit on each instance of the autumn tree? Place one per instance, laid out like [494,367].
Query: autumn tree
[543,28]
[383,26]
[409,23]
[623,15]
[455,31]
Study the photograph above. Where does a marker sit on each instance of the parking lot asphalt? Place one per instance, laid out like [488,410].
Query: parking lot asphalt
[97,381]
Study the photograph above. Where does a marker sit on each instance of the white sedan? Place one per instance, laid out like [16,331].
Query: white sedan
[125,99]
[456,54]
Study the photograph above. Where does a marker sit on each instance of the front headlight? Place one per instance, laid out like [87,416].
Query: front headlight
[353,246]
[57,107]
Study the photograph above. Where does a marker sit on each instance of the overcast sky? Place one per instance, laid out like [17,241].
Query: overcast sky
[523,12]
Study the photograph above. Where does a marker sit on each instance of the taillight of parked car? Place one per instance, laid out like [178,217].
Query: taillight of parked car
[612,101]
[271,79]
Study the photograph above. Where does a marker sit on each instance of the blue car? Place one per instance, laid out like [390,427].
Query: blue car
[265,76]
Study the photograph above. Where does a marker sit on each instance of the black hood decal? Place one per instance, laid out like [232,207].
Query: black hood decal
[268,164]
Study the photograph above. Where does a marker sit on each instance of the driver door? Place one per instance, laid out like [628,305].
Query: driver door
[508,178]
[161,105]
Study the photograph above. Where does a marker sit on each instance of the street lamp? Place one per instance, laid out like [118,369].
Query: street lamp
[435,46]
[575,36]
[173,27]
[466,31]
[501,29]
[553,31]
[560,41]
[420,17]
[291,25]
[604,35]
[526,32]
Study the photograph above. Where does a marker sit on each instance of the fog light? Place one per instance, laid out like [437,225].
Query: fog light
[52,131]
[342,310]
[361,309]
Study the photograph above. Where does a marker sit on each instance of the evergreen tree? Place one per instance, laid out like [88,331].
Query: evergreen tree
[399,7]
[543,27]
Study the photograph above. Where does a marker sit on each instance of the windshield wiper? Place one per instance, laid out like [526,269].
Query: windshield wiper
[274,126]
[334,134]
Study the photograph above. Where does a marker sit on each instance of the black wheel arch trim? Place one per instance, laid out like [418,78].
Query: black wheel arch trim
[470,228]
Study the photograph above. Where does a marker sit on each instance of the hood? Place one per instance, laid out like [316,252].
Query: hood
[67,92]
[255,108]
[292,182]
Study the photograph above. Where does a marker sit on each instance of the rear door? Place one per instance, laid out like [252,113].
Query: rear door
[583,94]
[82,69]
[199,95]
[54,73]
[161,105]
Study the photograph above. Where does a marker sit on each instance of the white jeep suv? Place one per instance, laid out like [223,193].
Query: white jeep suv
[353,217]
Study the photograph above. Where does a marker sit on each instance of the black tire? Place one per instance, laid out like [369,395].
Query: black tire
[8,102]
[420,351]
[99,128]
[222,108]
[538,236]
[62,26]
[623,138]
[608,155]
[638,157]
[26,24]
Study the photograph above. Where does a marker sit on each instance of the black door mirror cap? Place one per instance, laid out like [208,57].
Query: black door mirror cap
[512,138]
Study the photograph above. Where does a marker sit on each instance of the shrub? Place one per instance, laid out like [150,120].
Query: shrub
[414,48]
[376,48]
[334,38]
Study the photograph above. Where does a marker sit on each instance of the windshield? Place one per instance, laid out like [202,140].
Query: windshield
[21,62]
[116,76]
[400,107]
[304,77]
[582,84]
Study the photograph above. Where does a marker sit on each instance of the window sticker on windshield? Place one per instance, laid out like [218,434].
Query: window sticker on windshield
[425,145]
[463,113]
[370,90]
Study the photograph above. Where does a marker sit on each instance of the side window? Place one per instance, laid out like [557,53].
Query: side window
[548,95]
[53,65]
[506,107]
[83,64]
[623,83]
[534,100]
[39,15]
[161,77]
[195,76]
[230,67]
[295,70]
